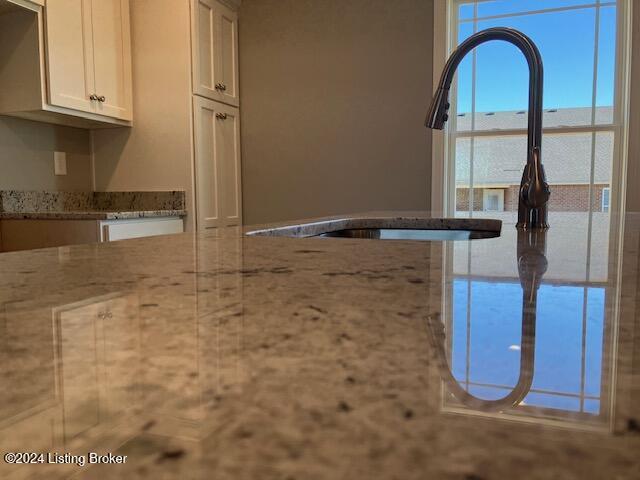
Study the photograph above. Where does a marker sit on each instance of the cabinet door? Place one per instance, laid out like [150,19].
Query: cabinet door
[112,57]
[228,55]
[70,54]
[204,28]
[206,159]
[217,148]
[215,51]
[229,175]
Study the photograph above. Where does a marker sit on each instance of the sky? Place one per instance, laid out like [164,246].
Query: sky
[566,40]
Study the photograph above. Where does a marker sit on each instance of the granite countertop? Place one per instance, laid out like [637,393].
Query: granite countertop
[92,214]
[223,356]
[46,205]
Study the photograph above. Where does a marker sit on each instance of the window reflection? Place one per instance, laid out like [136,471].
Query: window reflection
[526,329]
[485,353]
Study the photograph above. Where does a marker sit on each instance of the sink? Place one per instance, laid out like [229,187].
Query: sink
[387,228]
[410,234]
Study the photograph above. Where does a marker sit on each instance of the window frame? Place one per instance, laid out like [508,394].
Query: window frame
[443,195]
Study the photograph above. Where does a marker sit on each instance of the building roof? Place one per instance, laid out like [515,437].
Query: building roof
[566,157]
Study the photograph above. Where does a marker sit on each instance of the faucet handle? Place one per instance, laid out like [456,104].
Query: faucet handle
[536,189]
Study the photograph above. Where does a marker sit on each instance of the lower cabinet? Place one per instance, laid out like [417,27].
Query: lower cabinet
[27,234]
[217,159]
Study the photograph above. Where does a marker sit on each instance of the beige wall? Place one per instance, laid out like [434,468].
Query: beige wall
[633,166]
[156,153]
[26,156]
[333,99]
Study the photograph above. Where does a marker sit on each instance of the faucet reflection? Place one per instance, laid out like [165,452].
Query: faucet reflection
[532,264]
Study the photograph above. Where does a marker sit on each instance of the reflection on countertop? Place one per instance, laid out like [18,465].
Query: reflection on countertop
[223,356]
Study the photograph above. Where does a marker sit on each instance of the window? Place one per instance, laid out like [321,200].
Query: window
[605,199]
[493,200]
[485,145]
[578,40]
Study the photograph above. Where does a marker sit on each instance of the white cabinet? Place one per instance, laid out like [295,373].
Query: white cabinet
[70,62]
[67,63]
[89,57]
[217,158]
[112,57]
[214,38]
[215,51]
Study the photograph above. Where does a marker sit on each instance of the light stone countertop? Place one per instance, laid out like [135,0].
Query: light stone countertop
[223,356]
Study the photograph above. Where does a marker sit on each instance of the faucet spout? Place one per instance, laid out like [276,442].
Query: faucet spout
[534,189]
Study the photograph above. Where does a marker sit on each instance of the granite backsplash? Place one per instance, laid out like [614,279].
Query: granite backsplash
[16,201]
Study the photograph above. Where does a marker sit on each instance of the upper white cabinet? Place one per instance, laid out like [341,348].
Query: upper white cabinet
[112,57]
[215,51]
[89,56]
[74,65]
[70,62]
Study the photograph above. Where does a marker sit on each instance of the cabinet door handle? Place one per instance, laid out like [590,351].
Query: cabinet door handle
[101,98]
[221,116]
[221,86]
[93,97]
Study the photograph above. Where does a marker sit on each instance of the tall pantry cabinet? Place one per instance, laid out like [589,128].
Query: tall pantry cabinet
[214,49]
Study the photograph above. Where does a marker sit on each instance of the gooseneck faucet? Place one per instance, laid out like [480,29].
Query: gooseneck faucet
[534,189]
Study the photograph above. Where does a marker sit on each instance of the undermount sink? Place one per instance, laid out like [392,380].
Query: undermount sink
[388,228]
[410,234]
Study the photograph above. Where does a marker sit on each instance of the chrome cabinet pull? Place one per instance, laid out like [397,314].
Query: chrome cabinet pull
[101,98]
[221,116]
[221,86]
[93,96]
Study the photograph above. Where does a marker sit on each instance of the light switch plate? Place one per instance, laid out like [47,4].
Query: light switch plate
[60,163]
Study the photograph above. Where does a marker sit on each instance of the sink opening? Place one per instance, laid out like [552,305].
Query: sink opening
[410,234]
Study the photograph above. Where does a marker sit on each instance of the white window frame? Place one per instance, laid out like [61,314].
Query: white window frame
[443,195]
[443,176]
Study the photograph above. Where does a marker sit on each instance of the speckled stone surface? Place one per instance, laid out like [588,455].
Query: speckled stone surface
[230,357]
[90,205]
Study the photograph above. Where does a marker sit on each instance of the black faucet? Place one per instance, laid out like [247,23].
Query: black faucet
[534,189]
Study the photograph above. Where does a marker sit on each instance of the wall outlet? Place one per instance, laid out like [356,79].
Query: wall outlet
[60,163]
